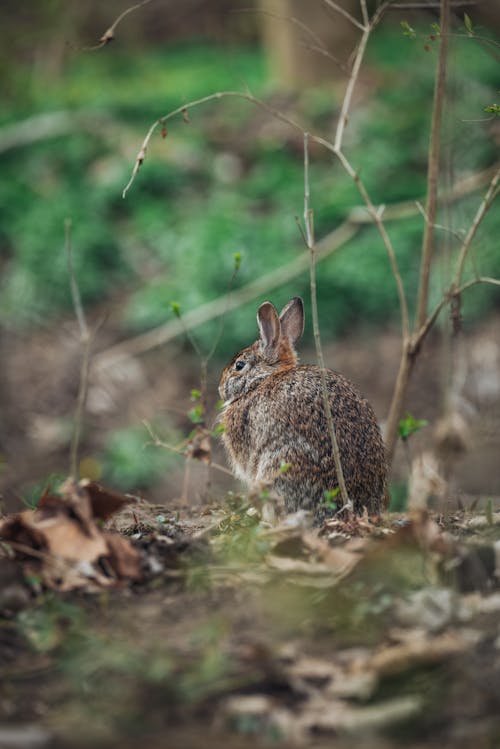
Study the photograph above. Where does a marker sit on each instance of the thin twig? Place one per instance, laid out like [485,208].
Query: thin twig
[353,79]
[309,229]
[485,205]
[433,167]
[377,220]
[197,102]
[157,442]
[364,12]
[85,340]
[358,216]
[109,34]
[213,309]
[339,9]
[289,19]
[419,337]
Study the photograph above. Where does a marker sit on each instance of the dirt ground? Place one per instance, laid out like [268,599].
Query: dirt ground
[239,631]
[456,388]
[222,622]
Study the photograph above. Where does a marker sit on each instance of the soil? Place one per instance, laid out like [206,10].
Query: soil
[377,632]
[243,630]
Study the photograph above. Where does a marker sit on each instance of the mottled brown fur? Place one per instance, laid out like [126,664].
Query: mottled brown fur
[274,415]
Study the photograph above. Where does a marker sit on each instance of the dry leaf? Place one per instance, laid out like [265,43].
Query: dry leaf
[124,559]
[64,544]
[105,502]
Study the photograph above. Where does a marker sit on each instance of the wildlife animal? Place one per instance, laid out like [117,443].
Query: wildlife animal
[275,430]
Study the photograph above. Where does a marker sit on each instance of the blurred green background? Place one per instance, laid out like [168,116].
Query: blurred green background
[229,181]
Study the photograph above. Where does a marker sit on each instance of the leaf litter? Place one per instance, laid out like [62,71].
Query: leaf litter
[218,622]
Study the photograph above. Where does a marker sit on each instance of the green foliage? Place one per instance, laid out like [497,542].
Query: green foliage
[468,24]
[409,425]
[408,30]
[215,197]
[129,461]
[329,497]
[240,536]
[34,492]
[196,415]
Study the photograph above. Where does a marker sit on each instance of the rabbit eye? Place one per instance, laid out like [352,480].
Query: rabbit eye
[239,365]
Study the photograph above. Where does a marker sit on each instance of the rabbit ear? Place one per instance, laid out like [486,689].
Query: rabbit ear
[292,319]
[269,325]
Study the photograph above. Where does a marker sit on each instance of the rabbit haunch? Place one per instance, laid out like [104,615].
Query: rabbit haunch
[275,428]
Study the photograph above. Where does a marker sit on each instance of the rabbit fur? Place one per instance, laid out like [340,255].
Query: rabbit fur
[275,430]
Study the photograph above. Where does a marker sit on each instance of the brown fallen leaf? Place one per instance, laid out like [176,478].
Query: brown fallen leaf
[64,537]
[105,502]
[64,544]
[124,559]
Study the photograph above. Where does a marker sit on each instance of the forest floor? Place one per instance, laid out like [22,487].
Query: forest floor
[126,624]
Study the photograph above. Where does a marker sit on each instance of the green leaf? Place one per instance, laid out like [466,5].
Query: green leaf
[237,260]
[195,394]
[218,430]
[493,109]
[409,424]
[329,496]
[468,24]
[176,308]
[196,415]
[284,467]
[408,30]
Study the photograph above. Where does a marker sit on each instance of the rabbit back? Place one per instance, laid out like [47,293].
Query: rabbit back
[275,426]
[276,434]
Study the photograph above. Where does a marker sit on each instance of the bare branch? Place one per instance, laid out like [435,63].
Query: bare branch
[346,104]
[377,220]
[309,228]
[109,34]
[185,107]
[179,450]
[85,340]
[339,9]
[364,12]
[206,312]
[485,205]
[420,336]
[327,54]
[433,166]
[357,217]
[289,19]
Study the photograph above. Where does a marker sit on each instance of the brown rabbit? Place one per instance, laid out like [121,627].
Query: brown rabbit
[275,429]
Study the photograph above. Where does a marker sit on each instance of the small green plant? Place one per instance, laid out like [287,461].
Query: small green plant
[197,414]
[32,494]
[408,30]
[409,425]
[329,498]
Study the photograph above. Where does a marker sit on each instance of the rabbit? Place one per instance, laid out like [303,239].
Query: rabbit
[274,427]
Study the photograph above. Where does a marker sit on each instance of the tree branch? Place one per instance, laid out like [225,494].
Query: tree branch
[206,312]
[85,340]
[433,166]
[309,229]
[480,214]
